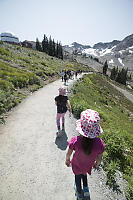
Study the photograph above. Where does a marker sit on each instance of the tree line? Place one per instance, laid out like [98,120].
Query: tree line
[119,76]
[50,47]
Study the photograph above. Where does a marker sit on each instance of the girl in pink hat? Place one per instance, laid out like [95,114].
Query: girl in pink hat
[88,150]
[62,101]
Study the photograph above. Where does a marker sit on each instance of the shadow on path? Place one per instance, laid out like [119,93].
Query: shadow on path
[115,187]
[61,141]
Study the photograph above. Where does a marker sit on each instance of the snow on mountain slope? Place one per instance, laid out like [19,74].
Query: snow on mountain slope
[111,61]
[99,52]
[117,53]
[120,60]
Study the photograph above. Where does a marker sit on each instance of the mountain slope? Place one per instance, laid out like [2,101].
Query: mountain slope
[117,53]
[125,43]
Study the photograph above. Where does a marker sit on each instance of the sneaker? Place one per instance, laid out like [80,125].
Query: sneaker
[86,191]
[58,133]
[79,196]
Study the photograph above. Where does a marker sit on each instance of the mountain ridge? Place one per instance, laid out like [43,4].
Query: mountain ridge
[117,53]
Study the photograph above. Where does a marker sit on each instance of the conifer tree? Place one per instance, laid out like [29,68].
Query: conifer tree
[114,73]
[53,47]
[60,54]
[38,46]
[44,44]
[57,50]
[122,76]
[112,76]
[105,67]
[50,49]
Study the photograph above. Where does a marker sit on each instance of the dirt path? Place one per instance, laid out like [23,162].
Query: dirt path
[32,160]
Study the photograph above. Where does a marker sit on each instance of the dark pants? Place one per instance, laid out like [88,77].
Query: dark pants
[78,181]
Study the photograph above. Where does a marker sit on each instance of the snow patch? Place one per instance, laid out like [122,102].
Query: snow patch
[91,51]
[130,51]
[105,51]
[120,60]
[111,61]
[131,47]
[70,45]
[121,51]
[97,52]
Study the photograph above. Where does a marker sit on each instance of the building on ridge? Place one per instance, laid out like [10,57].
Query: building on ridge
[9,37]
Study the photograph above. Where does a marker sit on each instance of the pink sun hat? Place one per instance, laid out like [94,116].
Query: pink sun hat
[89,124]
[62,91]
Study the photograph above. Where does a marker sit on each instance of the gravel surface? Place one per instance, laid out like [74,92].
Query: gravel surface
[32,160]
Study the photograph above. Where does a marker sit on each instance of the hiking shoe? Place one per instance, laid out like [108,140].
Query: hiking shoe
[58,133]
[86,191]
[79,196]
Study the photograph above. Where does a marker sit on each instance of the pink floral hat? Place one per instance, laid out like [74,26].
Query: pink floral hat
[89,124]
[62,91]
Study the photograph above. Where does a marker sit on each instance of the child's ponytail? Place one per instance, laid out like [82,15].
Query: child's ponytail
[87,145]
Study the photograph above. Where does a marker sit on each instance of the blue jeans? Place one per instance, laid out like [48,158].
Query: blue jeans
[78,181]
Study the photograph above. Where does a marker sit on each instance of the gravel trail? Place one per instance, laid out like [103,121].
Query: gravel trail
[32,160]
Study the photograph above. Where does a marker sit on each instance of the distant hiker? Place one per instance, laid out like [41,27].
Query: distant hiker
[72,74]
[62,101]
[88,150]
[62,75]
[76,74]
[65,77]
[68,72]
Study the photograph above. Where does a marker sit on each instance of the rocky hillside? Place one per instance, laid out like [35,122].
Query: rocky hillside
[117,53]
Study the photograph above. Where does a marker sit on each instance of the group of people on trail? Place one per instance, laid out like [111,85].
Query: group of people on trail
[66,75]
[87,148]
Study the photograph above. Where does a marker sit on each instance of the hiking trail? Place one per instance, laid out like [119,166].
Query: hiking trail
[32,160]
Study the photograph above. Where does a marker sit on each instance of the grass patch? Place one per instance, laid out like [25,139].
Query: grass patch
[117,121]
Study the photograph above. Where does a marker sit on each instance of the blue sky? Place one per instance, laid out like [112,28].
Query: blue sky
[83,21]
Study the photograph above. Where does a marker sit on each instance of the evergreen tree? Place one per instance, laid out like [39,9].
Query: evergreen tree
[50,47]
[122,76]
[114,73]
[60,52]
[105,67]
[44,44]
[57,50]
[38,46]
[53,47]
[112,76]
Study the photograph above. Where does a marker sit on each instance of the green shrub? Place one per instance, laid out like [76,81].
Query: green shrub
[129,192]
[3,51]
[96,93]
[5,85]
[111,169]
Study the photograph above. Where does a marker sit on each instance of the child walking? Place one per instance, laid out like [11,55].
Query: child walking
[61,102]
[88,150]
